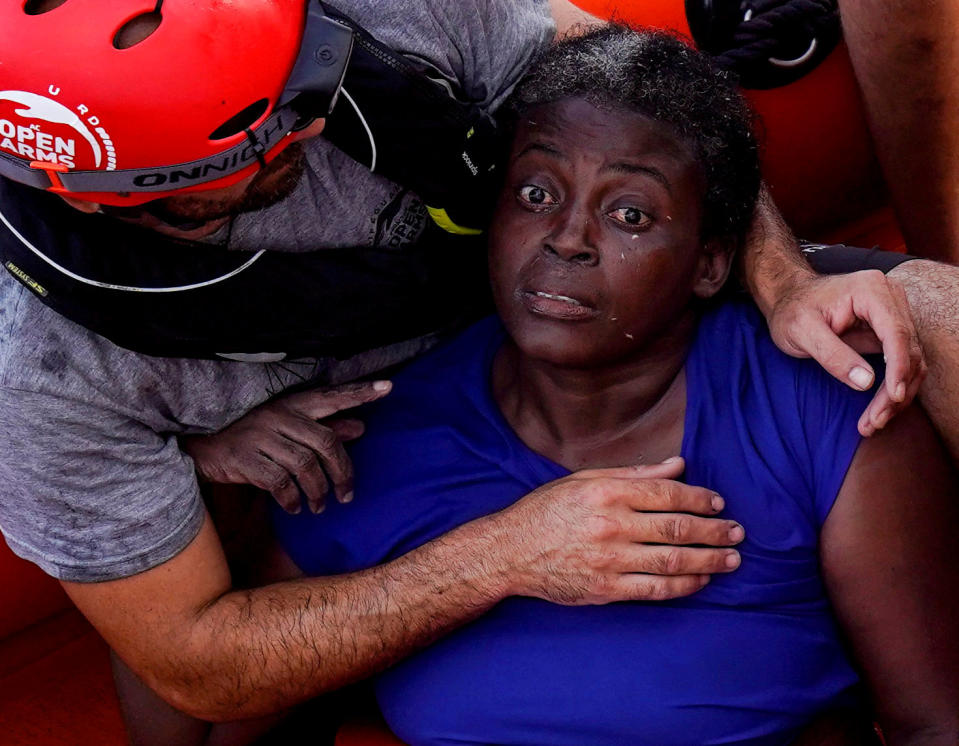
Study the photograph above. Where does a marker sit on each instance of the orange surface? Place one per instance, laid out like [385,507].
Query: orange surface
[877,228]
[26,593]
[64,696]
[55,681]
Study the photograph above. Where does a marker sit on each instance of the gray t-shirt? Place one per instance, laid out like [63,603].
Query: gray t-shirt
[93,485]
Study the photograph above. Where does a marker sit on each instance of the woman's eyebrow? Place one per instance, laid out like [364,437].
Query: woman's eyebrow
[540,147]
[620,167]
[625,167]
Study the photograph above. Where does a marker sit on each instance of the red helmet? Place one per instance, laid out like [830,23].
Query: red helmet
[103,115]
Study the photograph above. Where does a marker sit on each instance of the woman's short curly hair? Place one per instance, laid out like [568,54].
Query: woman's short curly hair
[659,76]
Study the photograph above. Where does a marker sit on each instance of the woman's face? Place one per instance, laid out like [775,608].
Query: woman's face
[595,248]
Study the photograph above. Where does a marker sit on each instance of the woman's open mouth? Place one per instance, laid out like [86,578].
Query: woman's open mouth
[556,305]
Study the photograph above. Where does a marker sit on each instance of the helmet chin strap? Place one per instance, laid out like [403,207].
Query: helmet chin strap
[155,210]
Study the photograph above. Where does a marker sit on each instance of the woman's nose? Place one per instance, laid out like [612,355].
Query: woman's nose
[572,237]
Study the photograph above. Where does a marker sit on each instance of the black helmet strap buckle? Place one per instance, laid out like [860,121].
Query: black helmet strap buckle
[317,77]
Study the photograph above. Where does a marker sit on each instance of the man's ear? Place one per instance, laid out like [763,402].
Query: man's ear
[313,129]
[715,263]
[80,204]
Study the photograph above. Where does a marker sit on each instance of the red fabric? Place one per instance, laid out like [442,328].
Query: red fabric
[55,681]
[877,228]
[66,696]
[27,594]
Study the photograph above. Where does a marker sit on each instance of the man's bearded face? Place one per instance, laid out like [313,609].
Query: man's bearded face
[269,186]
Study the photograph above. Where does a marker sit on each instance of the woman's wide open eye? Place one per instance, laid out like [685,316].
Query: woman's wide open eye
[535,196]
[631,217]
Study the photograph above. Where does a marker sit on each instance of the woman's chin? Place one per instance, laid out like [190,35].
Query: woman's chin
[563,347]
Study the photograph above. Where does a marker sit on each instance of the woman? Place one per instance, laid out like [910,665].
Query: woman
[630,183]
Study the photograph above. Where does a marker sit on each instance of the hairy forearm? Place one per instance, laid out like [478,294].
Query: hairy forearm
[933,292]
[257,651]
[931,288]
[217,653]
[770,261]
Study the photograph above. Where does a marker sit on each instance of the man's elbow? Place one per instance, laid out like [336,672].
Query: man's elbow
[211,699]
[214,671]
[197,673]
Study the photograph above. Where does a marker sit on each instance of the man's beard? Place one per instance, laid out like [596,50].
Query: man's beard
[271,185]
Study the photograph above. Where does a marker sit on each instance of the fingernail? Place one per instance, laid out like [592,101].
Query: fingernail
[348,497]
[860,377]
[317,509]
[718,503]
[882,419]
[382,386]
[704,579]
[671,460]
[732,560]
[900,393]
[737,533]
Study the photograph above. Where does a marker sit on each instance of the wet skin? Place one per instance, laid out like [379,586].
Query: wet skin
[594,377]
[596,264]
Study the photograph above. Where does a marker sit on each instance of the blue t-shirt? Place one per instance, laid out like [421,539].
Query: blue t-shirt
[747,660]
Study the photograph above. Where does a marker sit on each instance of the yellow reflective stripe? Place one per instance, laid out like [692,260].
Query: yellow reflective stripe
[443,221]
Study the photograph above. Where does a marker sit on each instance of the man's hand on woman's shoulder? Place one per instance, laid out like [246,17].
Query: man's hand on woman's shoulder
[834,318]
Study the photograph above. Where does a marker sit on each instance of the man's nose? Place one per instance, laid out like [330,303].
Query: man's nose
[572,237]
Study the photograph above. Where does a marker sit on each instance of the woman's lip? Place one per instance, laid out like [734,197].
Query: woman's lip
[556,305]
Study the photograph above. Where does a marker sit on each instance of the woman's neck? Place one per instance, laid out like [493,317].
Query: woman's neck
[623,413]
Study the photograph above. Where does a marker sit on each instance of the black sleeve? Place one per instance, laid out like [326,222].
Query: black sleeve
[837,259]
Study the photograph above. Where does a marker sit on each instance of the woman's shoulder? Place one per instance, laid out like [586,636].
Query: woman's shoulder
[785,414]
[439,402]
[733,334]
[465,350]
[734,319]
[735,356]
[455,374]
